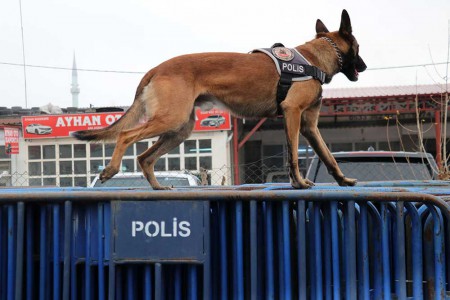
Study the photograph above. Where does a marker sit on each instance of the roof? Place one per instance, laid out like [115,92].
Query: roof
[383,91]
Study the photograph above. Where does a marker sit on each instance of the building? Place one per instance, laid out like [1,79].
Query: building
[352,119]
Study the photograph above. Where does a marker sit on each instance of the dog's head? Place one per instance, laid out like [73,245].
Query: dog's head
[352,63]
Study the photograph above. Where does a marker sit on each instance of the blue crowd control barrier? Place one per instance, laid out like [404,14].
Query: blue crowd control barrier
[239,242]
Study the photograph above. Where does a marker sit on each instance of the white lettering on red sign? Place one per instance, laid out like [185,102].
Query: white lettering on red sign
[67,121]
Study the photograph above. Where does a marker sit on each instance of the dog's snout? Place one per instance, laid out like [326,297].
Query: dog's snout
[360,65]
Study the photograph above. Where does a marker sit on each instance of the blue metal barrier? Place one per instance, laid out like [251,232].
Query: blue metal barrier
[257,242]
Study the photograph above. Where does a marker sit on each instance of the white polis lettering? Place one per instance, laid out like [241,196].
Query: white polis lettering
[293,68]
[161,228]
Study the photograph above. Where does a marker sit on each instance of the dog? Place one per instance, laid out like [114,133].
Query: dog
[247,85]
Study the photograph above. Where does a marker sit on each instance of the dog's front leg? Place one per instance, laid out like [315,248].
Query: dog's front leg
[292,127]
[311,132]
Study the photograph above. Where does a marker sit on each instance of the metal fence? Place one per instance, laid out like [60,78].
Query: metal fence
[251,242]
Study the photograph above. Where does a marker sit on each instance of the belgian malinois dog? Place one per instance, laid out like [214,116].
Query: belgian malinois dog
[246,84]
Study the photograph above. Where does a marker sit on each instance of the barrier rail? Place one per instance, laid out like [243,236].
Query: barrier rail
[245,242]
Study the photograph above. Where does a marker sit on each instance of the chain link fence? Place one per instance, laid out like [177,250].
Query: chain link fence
[249,174]
[253,173]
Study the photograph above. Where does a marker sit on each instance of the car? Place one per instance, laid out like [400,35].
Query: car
[38,129]
[137,179]
[213,121]
[377,166]
[305,154]
[277,177]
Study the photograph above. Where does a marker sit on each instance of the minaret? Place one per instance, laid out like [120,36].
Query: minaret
[75,90]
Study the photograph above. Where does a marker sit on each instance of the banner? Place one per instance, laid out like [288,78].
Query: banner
[211,120]
[52,126]
[49,126]
[11,140]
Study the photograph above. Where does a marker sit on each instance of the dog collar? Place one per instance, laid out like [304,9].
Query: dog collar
[336,49]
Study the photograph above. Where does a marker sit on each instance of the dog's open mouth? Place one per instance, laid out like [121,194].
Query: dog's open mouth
[356,73]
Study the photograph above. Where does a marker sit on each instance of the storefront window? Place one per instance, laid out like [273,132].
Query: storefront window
[96,165]
[35,182]
[65,151]
[79,150]
[204,146]
[49,168]
[127,165]
[174,163]
[79,167]
[96,150]
[80,181]
[34,168]
[77,164]
[65,181]
[206,162]
[190,163]
[65,167]
[160,164]
[190,147]
[109,149]
[49,181]
[49,151]
[34,152]
[3,153]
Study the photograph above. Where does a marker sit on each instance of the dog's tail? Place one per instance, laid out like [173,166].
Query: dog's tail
[128,120]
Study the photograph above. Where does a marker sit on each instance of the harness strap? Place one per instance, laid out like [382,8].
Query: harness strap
[284,84]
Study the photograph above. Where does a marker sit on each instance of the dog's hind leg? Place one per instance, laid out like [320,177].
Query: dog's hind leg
[125,139]
[169,110]
[311,132]
[164,144]
[292,116]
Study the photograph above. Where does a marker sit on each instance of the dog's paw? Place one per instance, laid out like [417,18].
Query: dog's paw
[107,173]
[303,184]
[347,182]
[161,188]
[309,182]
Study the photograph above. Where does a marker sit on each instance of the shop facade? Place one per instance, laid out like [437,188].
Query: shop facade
[48,155]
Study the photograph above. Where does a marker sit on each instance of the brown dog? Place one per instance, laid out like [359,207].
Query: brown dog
[247,85]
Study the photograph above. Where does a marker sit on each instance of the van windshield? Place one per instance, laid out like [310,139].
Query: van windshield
[378,169]
[140,181]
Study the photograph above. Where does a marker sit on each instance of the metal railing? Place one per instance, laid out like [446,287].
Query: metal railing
[259,242]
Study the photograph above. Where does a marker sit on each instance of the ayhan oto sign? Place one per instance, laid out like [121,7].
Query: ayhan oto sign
[47,126]
[51,126]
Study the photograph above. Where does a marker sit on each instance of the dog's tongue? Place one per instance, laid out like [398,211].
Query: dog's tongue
[356,73]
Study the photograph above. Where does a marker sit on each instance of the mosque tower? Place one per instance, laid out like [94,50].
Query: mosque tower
[75,90]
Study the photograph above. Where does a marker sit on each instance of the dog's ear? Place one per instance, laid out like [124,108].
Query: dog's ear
[346,26]
[320,27]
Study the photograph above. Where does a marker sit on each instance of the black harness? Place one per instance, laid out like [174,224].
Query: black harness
[291,67]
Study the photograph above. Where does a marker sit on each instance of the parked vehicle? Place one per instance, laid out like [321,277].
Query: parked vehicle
[305,154]
[377,166]
[38,129]
[137,179]
[213,121]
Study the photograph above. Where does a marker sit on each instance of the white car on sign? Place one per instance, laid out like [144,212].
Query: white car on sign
[213,121]
[38,129]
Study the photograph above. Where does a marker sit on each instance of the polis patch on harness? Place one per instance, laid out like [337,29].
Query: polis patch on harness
[291,66]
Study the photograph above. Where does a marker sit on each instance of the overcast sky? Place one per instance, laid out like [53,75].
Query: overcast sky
[136,35]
